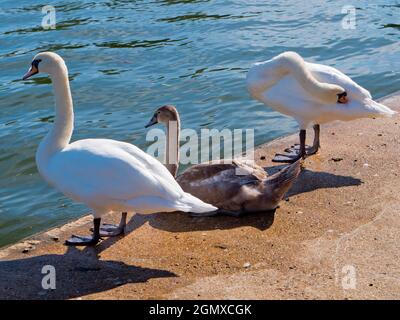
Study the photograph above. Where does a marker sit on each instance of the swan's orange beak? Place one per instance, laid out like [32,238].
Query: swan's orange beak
[32,70]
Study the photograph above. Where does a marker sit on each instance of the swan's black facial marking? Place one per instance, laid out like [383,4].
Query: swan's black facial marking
[342,97]
[35,64]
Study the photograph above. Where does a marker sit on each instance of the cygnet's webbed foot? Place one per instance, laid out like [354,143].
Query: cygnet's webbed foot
[310,150]
[219,212]
[82,241]
[111,230]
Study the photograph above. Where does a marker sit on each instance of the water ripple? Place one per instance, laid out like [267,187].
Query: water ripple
[59,26]
[126,58]
[138,43]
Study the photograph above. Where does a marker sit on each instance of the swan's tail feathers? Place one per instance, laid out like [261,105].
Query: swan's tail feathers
[294,64]
[189,203]
[379,109]
[153,204]
[279,183]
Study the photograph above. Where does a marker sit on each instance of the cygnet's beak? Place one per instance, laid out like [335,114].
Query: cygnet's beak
[153,121]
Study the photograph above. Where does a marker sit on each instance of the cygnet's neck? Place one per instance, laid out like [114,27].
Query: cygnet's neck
[172,149]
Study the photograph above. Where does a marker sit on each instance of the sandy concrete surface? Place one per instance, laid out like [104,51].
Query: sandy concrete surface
[335,237]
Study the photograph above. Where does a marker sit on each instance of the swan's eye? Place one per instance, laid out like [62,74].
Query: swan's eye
[342,97]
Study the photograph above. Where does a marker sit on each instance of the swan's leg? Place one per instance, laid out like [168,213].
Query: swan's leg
[112,230]
[293,154]
[309,150]
[86,241]
[315,147]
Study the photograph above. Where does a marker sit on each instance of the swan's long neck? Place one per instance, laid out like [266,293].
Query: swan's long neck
[292,63]
[60,134]
[172,149]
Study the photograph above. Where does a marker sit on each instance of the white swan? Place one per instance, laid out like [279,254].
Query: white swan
[234,186]
[312,94]
[106,175]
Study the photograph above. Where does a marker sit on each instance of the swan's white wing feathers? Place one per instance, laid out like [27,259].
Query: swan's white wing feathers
[102,169]
[308,91]
[329,74]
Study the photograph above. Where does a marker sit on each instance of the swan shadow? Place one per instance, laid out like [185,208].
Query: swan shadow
[183,222]
[78,273]
[309,180]
[312,180]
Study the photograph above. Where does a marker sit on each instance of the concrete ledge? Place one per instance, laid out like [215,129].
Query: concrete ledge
[342,218]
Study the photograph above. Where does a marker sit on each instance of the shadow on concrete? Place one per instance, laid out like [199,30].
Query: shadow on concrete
[183,222]
[313,180]
[78,273]
[307,181]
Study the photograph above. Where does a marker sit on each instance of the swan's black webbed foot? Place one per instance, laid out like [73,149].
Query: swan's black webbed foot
[113,230]
[310,150]
[288,157]
[294,153]
[86,240]
[82,241]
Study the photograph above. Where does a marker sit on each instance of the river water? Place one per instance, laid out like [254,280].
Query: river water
[127,57]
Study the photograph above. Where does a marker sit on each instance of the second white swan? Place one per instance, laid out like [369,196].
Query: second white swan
[310,93]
